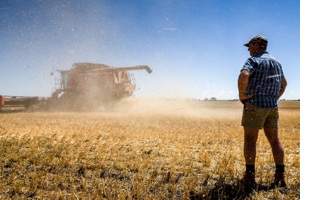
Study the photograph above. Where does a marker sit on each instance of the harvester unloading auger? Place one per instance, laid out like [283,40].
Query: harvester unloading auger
[87,86]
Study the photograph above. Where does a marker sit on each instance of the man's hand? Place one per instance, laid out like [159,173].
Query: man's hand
[242,97]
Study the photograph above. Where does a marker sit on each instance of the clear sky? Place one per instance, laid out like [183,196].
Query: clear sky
[195,48]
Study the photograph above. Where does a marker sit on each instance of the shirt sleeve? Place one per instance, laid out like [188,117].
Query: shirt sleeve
[249,65]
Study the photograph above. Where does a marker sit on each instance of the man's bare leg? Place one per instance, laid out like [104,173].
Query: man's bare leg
[250,138]
[278,154]
[276,145]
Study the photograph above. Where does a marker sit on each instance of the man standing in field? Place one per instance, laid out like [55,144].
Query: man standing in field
[261,83]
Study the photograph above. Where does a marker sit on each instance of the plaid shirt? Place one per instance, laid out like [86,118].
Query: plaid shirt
[264,81]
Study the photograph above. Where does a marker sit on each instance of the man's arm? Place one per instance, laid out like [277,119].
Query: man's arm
[283,87]
[242,85]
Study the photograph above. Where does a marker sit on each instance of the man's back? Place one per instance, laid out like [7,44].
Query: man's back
[264,81]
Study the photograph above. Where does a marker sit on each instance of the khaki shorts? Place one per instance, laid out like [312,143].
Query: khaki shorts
[257,117]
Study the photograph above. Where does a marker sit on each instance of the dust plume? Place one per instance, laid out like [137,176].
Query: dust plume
[173,107]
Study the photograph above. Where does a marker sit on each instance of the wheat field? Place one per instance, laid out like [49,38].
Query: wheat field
[142,149]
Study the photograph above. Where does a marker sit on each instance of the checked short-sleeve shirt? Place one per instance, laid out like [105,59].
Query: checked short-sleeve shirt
[264,81]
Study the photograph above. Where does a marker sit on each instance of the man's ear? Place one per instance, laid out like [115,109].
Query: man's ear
[257,45]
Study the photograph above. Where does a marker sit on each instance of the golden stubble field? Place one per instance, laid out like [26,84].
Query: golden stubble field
[142,149]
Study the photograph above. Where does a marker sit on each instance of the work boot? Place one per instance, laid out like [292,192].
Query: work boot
[279,180]
[248,181]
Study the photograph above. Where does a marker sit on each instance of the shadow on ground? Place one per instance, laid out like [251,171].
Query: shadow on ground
[235,190]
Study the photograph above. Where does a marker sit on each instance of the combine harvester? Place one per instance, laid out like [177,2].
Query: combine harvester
[85,87]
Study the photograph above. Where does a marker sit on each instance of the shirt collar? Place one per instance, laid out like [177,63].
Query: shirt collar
[260,53]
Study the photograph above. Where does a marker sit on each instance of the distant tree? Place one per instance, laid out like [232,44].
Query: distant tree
[206,99]
[213,99]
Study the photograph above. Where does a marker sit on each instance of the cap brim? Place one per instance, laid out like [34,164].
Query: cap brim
[247,44]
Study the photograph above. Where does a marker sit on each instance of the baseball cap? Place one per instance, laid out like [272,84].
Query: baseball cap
[258,39]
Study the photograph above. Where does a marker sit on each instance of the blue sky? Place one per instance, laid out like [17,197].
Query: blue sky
[195,48]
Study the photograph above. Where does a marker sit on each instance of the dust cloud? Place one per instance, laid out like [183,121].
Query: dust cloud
[174,107]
